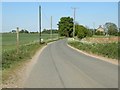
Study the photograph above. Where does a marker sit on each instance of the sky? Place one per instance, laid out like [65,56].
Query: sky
[25,14]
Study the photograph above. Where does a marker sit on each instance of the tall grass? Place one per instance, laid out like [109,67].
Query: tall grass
[11,57]
[109,50]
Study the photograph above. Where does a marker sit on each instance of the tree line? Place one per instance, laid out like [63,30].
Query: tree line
[65,28]
[48,31]
[45,31]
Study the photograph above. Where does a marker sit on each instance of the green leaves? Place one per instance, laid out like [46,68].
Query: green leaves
[111,28]
[65,26]
[82,31]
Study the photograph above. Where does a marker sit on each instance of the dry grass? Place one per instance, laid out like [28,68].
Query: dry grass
[102,39]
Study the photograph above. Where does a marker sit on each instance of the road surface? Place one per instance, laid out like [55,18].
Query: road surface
[59,66]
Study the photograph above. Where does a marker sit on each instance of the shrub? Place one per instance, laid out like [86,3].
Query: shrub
[99,33]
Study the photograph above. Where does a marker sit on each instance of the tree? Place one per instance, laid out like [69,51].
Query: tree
[111,28]
[65,26]
[54,31]
[13,31]
[24,31]
[99,33]
[82,31]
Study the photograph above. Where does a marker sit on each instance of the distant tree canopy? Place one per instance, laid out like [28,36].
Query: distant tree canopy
[111,28]
[65,26]
[13,31]
[23,31]
[99,33]
[54,31]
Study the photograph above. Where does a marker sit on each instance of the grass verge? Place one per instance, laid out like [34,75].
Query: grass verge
[11,61]
[109,50]
[10,57]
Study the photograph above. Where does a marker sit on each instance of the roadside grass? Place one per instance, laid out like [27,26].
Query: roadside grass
[12,61]
[109,50]
[103,36]
[10,57]
[29,44]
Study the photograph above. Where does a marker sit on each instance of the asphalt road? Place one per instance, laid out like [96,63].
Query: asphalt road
[59,66]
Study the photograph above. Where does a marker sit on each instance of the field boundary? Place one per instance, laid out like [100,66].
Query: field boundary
[112,61]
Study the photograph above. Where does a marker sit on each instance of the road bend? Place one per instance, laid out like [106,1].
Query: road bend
[59,66]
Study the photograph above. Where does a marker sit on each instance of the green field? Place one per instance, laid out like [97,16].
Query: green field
[9,39]
[29,44]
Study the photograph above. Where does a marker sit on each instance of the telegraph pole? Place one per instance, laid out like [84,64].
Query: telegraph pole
[74,22]
[17,39]
[39,24]
[51,27]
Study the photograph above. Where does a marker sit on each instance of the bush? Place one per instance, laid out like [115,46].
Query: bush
[99,33]
[82,32]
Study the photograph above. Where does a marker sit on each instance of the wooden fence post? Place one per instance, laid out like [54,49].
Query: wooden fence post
[17,40]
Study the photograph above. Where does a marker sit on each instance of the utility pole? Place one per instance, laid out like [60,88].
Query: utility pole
[17,40]
[74,22]
[39,24]
[51,27]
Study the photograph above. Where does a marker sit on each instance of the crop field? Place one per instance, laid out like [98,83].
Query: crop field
[29,44]
[102,39]
[9,39]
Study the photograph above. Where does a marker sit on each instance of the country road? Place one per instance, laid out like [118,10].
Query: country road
[59,66]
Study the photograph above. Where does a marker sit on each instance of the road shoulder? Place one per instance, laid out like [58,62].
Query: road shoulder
[112,61]
[19,74]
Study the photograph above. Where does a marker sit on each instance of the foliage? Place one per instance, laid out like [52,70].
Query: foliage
[65,26]
[34,32]
[82,31]
[99,33]
[109,50]
[119,33]
[90,33]
[13,31]
[54,31]
[111,28]
[24,31]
